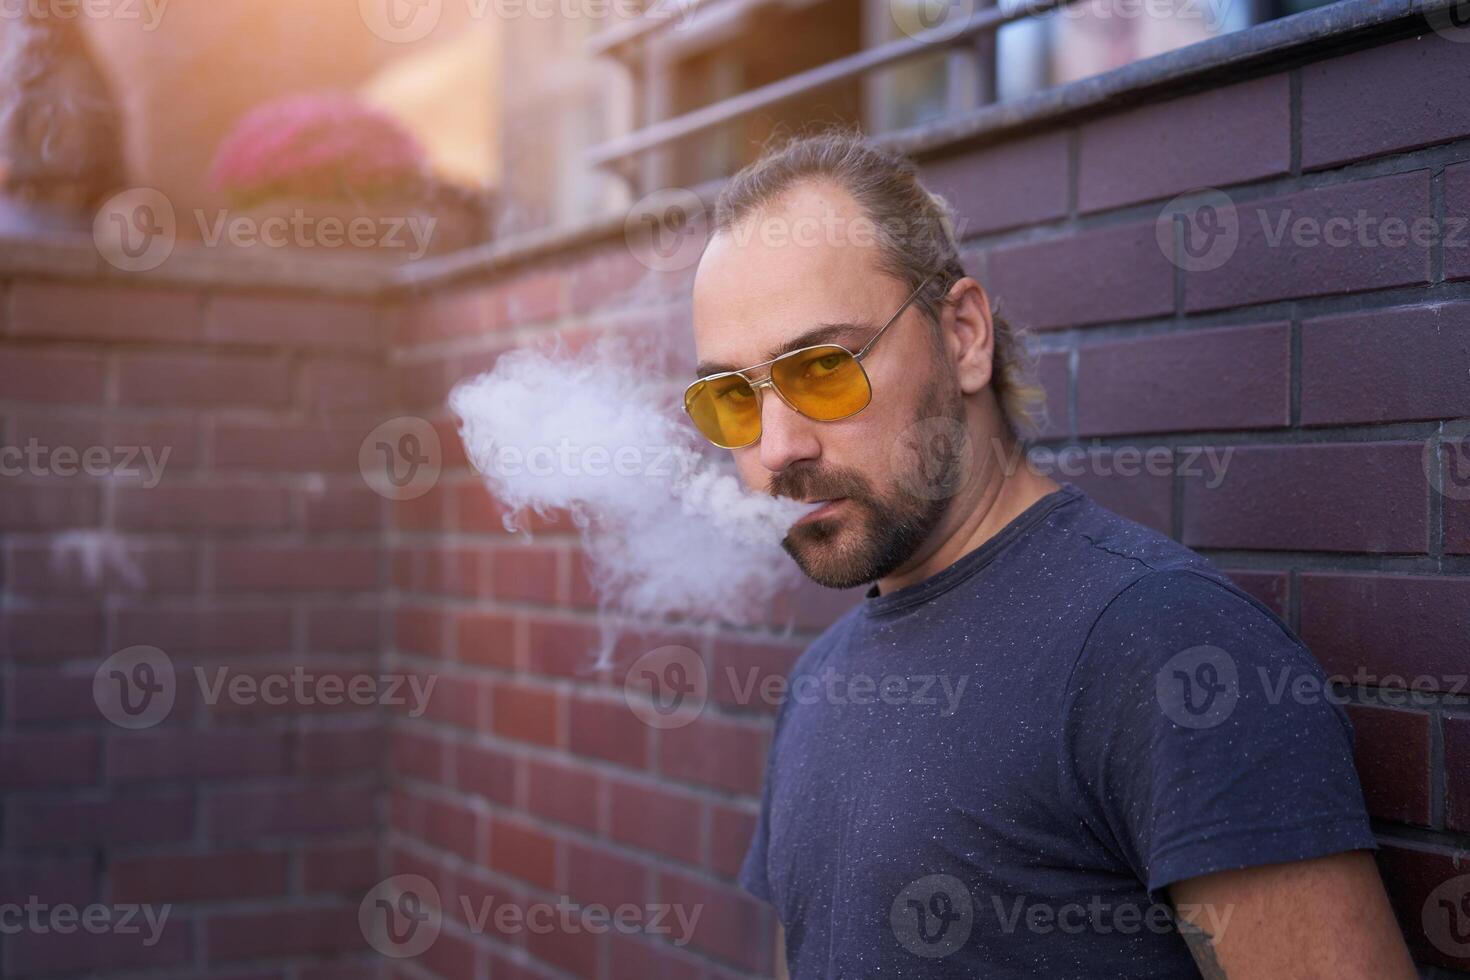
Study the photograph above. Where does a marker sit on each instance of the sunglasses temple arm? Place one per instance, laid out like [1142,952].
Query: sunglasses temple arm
[893,319]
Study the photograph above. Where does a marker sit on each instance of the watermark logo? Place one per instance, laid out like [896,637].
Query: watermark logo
[135,688]
[298,686]
[149,12]
[402,458]
[136,230]
[932,458]
[667,687]
[1446,916]
[1448,471]
[665,230]
[937,20]
[1199,687]
[1452,21]
[401,21]
[126,919]
[401,916]
[932,917]
[1198,231]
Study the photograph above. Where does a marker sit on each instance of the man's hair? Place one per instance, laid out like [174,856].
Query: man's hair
[913,228]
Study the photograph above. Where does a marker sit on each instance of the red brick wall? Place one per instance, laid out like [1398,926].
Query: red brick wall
[257,550]
[1326,371]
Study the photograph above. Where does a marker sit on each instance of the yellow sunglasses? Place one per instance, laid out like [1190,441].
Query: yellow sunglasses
[826,382]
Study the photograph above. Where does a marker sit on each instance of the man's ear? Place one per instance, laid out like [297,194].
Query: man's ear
[971,337]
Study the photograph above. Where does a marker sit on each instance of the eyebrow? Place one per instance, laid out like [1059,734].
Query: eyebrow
[824,333]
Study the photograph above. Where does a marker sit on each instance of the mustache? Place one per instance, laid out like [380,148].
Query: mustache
[802,485]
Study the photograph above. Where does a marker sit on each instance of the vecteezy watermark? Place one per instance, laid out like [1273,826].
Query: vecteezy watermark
[34,459]
[136,230]
[299,686]
[569,459]
[406,21]
[1448,471]
[401,459]
[409,233]
[1450,21]
[135,688]
[122,919]
[148,12]
[666,231]
[403,915]
[1210,462]
[934,916]
[1199,231]
[1446,916]
[1201,687]
[670,686]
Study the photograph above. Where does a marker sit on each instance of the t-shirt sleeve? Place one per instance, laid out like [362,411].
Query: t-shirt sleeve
[1199,734]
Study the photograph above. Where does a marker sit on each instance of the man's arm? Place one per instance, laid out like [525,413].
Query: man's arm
[1321,918]
[781,973]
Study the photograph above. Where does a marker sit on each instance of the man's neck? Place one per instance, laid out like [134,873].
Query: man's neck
[991,505]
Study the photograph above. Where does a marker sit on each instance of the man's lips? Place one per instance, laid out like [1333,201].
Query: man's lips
[820,509]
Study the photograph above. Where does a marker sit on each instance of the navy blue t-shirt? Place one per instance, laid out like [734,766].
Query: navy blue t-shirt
[997,771]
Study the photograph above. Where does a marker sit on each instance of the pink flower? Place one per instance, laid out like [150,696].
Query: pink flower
[325,145]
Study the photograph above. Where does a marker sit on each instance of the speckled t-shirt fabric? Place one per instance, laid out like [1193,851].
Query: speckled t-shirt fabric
[996,772]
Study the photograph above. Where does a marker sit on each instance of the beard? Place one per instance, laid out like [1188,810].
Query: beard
[876,533]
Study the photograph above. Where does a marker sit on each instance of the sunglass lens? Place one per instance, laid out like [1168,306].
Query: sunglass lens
[824,383]
[725,410]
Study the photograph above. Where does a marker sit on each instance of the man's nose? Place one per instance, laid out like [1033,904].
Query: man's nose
[786,434]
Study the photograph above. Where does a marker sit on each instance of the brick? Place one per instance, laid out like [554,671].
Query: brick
[28,761]
[607,729]
[52,879]
[50,633]
[133,820]
[298,321]
[51,377]
[1226,135]
[211,629]
[51,695]
[71,566]
[337,507]
[1346,238]
[1231,378]
[344,627]
[456,700]
[521,851]
[1383,85]
[345,750]
[244,815]
[347,386]
[654,819]
[456,313]
[215,506]
[1021,182]
[419,755]
[1414,874]
[530,573]
[560,648]
[1456,239]
[635,957]
[489,639]
[256,935]
[447,826]
[48,505]
[597,875]
[746,674]
[178,754]
[1136,482]
[1457,773]
[1393,365]
[611,279]
[192,380]
[1271,588]
[420,630]
[351,868]
[487,773]
[713,752]
[734,926]
[1399,628]
[1111,275]
[1391,753]
[75,311]
[295,449]
[274,568]
[35,953]
[229,875]
[422,384]
[1314,506]
[566,794]
[526,713]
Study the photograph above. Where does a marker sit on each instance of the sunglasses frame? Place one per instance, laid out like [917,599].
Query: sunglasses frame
[769,379]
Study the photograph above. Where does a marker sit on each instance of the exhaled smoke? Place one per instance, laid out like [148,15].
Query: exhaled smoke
[669,531]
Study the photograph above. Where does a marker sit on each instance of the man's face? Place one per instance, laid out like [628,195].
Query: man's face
[758,289]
